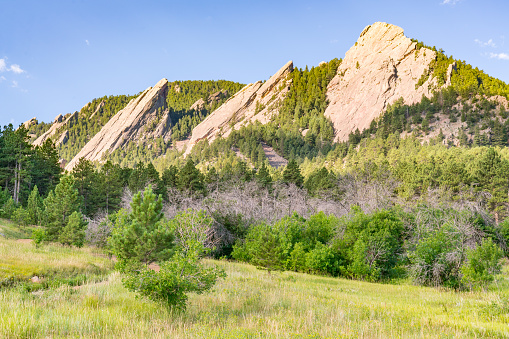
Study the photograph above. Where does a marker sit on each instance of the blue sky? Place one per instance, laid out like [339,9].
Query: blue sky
[55,56]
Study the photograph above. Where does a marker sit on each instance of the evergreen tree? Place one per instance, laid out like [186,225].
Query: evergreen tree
[34,207]
[46,169]
[111,183]
[142,236]
[59,205]
[291,174]
[73,234]
[263,177]
[190,178]
[84,180]
[169,176]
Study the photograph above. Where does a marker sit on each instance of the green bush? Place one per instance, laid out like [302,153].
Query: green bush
[436,260]
[38,236]
[482,264]
[21,216]
[371,244]
[321,260]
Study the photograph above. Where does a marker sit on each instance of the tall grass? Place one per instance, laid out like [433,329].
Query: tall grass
[250,303]
[54,263]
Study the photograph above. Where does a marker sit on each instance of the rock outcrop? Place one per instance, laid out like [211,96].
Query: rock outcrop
[214,97]
[254,102]
[64,137]
[380,68]
[144,118]
[30,122]
[59,122]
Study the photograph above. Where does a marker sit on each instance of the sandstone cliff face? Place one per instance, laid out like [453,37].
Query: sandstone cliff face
[59,121]
[254,102]
[380,68]
[144,118]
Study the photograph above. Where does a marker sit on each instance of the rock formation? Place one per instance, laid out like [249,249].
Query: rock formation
[144,118]
[214,97]
[254,102]
[64,137]
[30,122]
[57,124]
[380,68]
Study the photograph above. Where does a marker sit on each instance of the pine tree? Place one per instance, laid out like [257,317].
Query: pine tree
[263,177]
[291,174]
[84,179]
[46,169]
[34,207]
[190,178]
[142,235]
[169,176]
[59,205]
[73,234]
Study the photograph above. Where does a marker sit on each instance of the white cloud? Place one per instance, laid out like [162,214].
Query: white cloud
[16,69]
[87,42]
[450,2]
[488,43]
[2,78]
[14,83]
[500,56]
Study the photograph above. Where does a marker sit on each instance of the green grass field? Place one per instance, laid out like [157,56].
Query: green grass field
[249,303]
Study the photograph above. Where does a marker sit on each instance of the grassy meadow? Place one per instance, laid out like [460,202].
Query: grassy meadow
[249,303]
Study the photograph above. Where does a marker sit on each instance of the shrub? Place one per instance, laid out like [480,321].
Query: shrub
[38,236]
[482,264]
[371,244]
[321,260]
[436,260]
[21,216]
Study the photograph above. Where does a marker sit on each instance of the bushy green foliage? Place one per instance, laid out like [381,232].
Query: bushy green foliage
[39,236]
[144,236]
[433,260]
[371,244]
[35,207]
[292,175]
[8,208]
[177,277]
[292,243]
[481,265]
[190,178]
[21,216]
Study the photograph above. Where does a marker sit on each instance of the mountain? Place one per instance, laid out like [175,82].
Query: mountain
[380,68]
[130,124]
[254,102]
[386,84]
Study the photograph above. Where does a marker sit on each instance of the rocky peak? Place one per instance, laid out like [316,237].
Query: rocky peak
[30,122]
[254,102]
[130,124]
[380,68]
[57,124]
